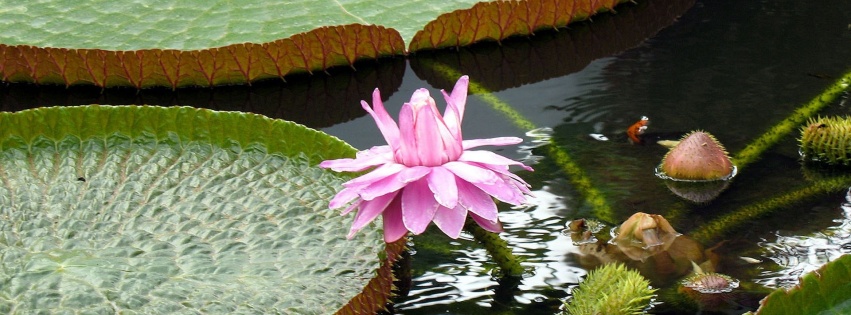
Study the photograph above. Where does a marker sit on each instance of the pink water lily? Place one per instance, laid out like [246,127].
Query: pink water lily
[427,172]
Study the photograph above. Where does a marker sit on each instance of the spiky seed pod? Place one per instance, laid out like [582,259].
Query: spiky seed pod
[710,283]
[698,156]
[710,302]
[827,139]
[709,289]
[612,289]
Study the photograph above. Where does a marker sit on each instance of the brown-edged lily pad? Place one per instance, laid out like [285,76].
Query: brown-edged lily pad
[141,43]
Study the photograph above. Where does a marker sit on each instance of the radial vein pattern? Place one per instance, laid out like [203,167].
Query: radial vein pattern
[145,225]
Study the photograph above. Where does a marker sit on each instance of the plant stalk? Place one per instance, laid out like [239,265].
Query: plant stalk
[498,248]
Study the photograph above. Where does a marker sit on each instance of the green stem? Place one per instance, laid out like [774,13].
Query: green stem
[577,177]
[780,131]
[734,220]
[751,153]
[498,248]
[756,148]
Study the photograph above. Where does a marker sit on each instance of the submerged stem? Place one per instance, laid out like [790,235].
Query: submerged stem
[498,248]
[781,131]
[734,220]
[575,174]
[754,150]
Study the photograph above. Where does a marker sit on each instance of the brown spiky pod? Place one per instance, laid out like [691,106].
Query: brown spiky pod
[698,156]
[827,140]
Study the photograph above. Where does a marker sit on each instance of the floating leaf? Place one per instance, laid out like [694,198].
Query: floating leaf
[498,20]
[200,24]
[143,43]
[138,43]
[161,210]
[237,63]
[824,291]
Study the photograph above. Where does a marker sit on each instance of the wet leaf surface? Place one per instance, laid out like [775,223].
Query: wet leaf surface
[181,210]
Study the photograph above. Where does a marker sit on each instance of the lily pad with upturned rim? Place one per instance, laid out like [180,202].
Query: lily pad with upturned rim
[144,43]
[143,209]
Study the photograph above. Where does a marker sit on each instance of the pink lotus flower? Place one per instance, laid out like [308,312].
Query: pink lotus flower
[427,173]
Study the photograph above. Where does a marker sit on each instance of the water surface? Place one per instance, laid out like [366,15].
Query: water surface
[731,68]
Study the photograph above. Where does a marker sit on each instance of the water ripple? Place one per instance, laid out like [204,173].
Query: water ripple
[469,277]
[797,255]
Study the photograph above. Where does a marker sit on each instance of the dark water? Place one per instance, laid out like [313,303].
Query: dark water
[732,68]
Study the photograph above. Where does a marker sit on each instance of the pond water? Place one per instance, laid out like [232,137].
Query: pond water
[732,68]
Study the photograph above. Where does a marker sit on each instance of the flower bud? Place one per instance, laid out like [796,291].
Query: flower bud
[698,156]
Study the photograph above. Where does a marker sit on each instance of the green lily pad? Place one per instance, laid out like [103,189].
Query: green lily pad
[199,24]
[824,291]
[154,210]
[146,43]
[497,20]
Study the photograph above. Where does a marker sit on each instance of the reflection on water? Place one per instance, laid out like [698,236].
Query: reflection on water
[733,68]
[548,55]
[315,101]
[466,283]
[796,255]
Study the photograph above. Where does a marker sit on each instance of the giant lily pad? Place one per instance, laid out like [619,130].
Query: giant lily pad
[161,210]
[144,43]
[824,291]
[498,20]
